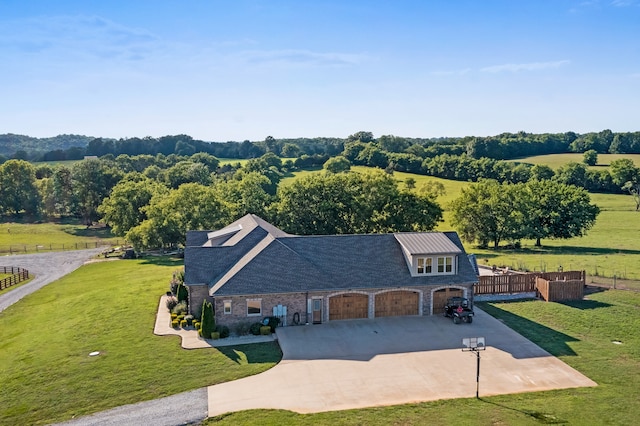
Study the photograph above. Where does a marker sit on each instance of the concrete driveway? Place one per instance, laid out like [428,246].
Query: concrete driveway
[365,363]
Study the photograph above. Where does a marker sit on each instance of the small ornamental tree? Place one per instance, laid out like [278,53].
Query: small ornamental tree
[182,293]
[208,322]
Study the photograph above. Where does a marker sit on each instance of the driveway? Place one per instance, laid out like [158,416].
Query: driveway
[365,363]
[47,267]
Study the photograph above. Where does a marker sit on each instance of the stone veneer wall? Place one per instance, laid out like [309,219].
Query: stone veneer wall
[297,302]
[197,294]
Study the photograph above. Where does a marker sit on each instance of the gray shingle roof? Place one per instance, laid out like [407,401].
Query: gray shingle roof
[264,262]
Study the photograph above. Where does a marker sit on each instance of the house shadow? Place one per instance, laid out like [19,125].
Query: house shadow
[254,353]
[585,304]
[547,338]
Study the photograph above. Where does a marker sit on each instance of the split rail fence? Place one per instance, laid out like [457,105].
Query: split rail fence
[18,275]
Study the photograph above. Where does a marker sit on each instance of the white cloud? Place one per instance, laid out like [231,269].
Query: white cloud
[533,66]
[623,3]
[301,58]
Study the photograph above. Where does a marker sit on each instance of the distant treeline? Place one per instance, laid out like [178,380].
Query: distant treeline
[501,147]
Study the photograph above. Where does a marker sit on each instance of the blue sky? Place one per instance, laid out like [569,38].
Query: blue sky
[247,69]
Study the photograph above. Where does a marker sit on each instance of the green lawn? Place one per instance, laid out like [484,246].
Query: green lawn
[556,160]
[46,374]
[579,333]
[34,237]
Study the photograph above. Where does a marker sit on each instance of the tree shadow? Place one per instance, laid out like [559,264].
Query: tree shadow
[255,353]
[101,232]
[578,250]
[162,261]
[547,338]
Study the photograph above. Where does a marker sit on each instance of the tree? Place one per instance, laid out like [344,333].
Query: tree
[246,193]
[18,189]
[555,210]
[352,203]
[489,212]
[92,181]
[337,164]
[188,172]
[207,319]
[625,174]
[361,136]
[190,207]
[572,173]
[590,157]
[541,172]
[124,208]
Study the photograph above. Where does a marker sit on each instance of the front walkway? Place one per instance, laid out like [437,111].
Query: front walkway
[190,339]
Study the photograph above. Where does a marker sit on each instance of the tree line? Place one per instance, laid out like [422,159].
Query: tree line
[500,147]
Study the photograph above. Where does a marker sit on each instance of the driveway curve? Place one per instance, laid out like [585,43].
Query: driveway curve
[47,267]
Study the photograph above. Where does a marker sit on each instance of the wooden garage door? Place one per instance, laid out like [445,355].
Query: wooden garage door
[396,303]
[348,306]
[440,298]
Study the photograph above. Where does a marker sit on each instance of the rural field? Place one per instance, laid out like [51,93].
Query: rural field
[556,160]
[610,248]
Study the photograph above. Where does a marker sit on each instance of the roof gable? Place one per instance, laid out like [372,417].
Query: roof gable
[427,243]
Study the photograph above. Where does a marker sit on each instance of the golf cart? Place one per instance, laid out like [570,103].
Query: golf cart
[458,308]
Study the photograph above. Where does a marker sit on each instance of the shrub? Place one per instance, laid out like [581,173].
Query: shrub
[265,330]
[182,293]
[174,316]
[223,330]
[180,308]
[199,332]
[208,321]
[215,335]
[183,323]
[242,328]
[196,324]
[255,328]
[174,323]
[171,302]
[272,322]
[180,317]
[189,319]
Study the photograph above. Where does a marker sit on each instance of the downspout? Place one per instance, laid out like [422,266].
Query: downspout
[306,308]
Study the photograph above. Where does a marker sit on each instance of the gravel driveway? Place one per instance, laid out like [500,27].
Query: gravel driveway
[47,267]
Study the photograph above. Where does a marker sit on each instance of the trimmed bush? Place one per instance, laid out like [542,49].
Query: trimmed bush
[265,330]
[174,316]
[242,328]
[215,335]
[174,323]
[189,319]
[183,323]
[273,322]
[208,321]
[255,328]
[199,332]
[196,324]
[223,330]
[171,303]
[180,317]
[180,308]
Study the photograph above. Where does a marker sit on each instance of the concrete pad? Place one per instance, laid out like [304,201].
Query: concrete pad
[365,363]
[189,337]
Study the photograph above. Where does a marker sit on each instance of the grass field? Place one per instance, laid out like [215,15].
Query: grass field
[68,234]
[579,333]
[46,374]
[556,160]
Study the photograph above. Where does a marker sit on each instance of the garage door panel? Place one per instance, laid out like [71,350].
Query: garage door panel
[397,303]
[348,306]
[440,298]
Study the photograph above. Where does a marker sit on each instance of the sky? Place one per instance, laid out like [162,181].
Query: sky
[247,69]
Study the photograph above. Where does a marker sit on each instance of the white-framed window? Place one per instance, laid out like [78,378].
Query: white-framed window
[254,307]
[445,265]
[425,265]
[227,307]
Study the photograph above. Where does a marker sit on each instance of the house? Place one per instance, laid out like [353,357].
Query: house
[251,269]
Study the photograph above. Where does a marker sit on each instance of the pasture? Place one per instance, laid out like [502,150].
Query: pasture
[556,160]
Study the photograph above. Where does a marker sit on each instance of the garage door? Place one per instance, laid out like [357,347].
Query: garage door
[348,306]
[396,303]
[440,298]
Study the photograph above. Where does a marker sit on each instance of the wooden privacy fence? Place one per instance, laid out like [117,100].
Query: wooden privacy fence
[555,291]
[19,275]
[525,283]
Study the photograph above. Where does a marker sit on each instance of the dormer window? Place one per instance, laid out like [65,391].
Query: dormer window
[445,265]
[424,265]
